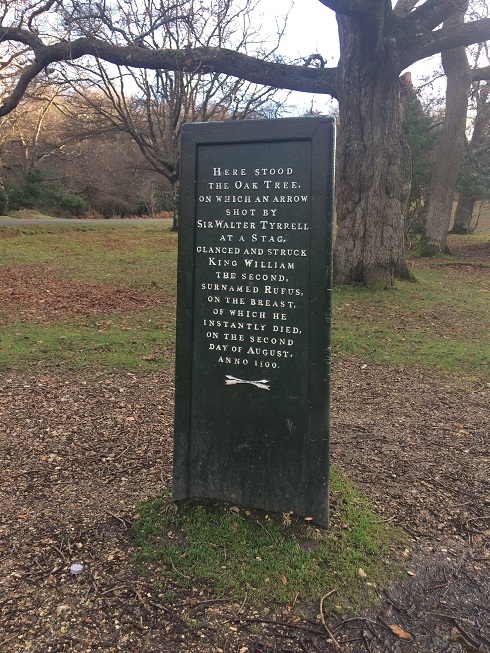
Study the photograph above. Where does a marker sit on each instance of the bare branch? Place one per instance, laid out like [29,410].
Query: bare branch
[404,7]
[19,35]
[445,39]
[352,8]
[481,74]
[5,63]
[207,60]
[434,12]
[11,102]
[41,10]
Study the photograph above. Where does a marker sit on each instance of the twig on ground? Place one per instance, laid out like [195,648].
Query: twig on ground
[242,606]
[59,551]
[119,455]
[469,639]
[113,589]
[123,521]
[9,639]
[174,568]
[346,621]
[366,643]
[324,623]
[284,624]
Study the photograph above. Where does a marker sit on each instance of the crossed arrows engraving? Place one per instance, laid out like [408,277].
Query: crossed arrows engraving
[233,380]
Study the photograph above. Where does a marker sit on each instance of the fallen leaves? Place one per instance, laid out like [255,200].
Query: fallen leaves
[20,289]
[106,463]
[399,632]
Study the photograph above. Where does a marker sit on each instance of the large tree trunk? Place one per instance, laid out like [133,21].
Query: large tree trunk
[373,166]
[463,215]
[449,152]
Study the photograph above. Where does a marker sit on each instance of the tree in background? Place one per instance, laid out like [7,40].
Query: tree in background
[35,192]
[450,151]
[152,105]
[108,170]
[11,66]
[29,138]
[450,148]
[474,181]
[377,42]
[55,156]
[421,134]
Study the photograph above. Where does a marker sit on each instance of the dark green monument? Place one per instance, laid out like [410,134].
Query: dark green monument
[253,314]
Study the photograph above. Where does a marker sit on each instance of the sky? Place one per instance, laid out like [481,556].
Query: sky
[312,28]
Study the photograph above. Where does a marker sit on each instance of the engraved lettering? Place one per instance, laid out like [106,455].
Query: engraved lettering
[258,283]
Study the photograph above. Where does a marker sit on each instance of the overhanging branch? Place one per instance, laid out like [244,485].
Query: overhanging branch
[12,101]
[20,36]
[445,39]
[352,8]
[481,74]
[433,12]
[202,60]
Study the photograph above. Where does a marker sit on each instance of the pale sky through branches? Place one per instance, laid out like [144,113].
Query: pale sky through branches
[312,29]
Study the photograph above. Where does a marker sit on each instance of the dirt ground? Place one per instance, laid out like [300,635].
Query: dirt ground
[78,451]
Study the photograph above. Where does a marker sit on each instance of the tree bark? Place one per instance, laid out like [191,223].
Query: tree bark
[373,167]
[449,152]
[463,215]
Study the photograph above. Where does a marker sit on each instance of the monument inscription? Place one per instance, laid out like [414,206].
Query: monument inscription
[252,372]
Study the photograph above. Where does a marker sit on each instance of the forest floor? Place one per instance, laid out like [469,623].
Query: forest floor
[79,450]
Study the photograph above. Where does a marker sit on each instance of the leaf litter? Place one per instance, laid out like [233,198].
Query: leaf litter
[79,451]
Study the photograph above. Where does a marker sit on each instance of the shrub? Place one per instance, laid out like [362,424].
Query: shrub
[421,138]
[38,193]
[3,201]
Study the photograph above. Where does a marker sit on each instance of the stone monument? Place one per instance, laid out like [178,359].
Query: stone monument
[253,314]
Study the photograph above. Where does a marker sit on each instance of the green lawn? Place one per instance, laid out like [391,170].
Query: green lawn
[109,265]
[441,322]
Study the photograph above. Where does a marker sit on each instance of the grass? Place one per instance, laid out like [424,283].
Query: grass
[136,253]
[271,557]
[441,322]
[136,257]
[139,343]
[27,214]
